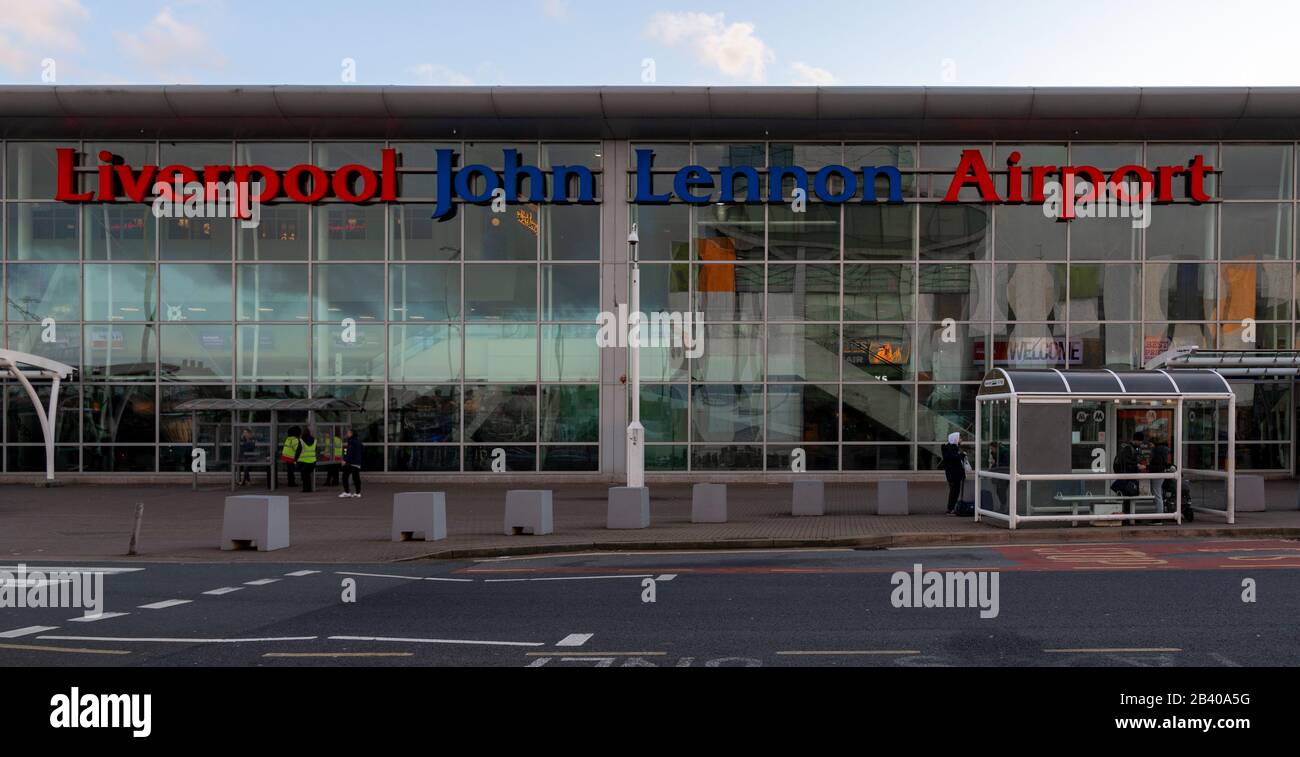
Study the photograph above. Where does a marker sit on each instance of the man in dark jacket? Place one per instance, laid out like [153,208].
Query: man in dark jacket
[1127,461]
[353,452]
[954,469]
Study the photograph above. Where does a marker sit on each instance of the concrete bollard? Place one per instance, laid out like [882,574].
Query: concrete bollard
[529,511]
[419,515]
[629,507]
[809,498]
[1250,494]
[709,503]
[255,520]
[891,498]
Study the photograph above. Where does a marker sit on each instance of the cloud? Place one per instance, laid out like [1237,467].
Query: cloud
[733,48]
[555,8]
[31,30]
[805,74]
[167,46]
[438,74]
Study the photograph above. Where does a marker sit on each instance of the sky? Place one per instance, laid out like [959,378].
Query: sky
[615,42]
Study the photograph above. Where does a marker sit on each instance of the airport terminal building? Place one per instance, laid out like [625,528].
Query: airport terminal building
[848,263]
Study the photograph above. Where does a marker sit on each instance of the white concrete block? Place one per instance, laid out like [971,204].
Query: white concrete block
[419,515]
[891,498]
[809,498]
[629,507]
[529,511]
[1250,493]
[709,503]
[260,521]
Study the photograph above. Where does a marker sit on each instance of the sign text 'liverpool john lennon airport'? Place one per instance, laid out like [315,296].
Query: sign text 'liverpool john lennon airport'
[482,184]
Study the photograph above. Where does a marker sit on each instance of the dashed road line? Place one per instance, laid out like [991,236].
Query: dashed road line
[169,640]
[1112,650]
[27,631]
[405,578]
[338,654]
[441,641]
[93,618]
[74,650]
[163,605]
[667,577]
[261,582]
[300,573]
[223,590]
[566,578]
[574,640]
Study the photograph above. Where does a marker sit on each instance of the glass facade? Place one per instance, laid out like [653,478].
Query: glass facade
[856,333]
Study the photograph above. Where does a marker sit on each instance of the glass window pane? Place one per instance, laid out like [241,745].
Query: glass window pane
[118,414]
[501,292]
[500,236]
[879,232]
[368,422]
[281,235]
[806,292]
[877,413]
[1030,345]
[726,292]
[959,291]
[1260,231]
[938,155]
[877,351]
[811,235]
[572,154]
[1106,345]
[1179,292]
[1024,233]
[665,288]
[1105,155]
[727,412]
[331,155]
[731,352]
[500,413]
[119,232]
[196,292]
[65,347]
[729,232]
[33,170]
[571,232]
[803,413]
[1029,292]
[1256,172]
[424,414]
[1104,292]
[41,291]
[738,154]
[1105,239]
[349,232]
[480,459]
[955,232]
[663,412]
[119,351]
[120,292]
[196,154]
[273,353]
[491,153]
[736,457]
[423,292]
[197,353]
[1030,154]
[956,352]
[1162,337]
[802,353]
[943,409]
[195,239]
[42,231]
[1263,411]
[424,352]
[500,352]
[570,353]
[1181,232]
[272,154]
[902,156]
[808,156]
[23,425]
[816,457]
[342,359]
[664,231]
[570,292]
[349,291]
[1260,292]
[273,292]
[878,292]
[570,413]
[417,236]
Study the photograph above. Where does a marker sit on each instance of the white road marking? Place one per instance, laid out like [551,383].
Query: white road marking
[223,590]
[560,555]
[55,568]
[1112,650]
[440,641]
[34,582]
[667,577]
[574,640]
[837,652]
[406,578]
[163,605]
[261,582]
[165,640]
[565,578]
[101,616]
[28,631]
[298,573]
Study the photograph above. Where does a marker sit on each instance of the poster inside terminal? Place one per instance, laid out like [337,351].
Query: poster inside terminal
[695,184]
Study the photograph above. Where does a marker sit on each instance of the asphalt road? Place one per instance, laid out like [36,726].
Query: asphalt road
[1176,603]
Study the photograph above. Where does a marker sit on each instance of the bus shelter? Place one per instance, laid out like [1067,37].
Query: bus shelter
[218,426]
[24,367]
[1046,443]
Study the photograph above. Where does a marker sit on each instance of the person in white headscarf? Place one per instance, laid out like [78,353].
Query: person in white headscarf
[954,469]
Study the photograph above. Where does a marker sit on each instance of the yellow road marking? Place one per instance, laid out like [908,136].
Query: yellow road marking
[75,650]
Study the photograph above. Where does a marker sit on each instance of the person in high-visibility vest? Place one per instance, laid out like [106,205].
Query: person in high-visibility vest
[307,461]
[289,453]
[335,462]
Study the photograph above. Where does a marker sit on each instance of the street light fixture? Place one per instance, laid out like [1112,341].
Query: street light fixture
[635,431]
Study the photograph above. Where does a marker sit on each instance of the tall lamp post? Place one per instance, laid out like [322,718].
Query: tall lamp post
[635,431]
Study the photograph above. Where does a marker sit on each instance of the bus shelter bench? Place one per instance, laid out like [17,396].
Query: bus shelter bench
[1072,503]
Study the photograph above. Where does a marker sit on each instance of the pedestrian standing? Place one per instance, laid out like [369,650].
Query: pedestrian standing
[353,452]
[247,454]
[289,453]
[307,461]
[954,469]
[334,448]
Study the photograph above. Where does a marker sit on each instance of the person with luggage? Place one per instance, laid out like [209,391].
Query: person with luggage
[954,469]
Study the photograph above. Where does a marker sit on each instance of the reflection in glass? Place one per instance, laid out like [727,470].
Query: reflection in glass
[878,292]
[727,412]
[803,292]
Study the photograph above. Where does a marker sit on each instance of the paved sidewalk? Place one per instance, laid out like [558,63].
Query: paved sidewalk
[86,522]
